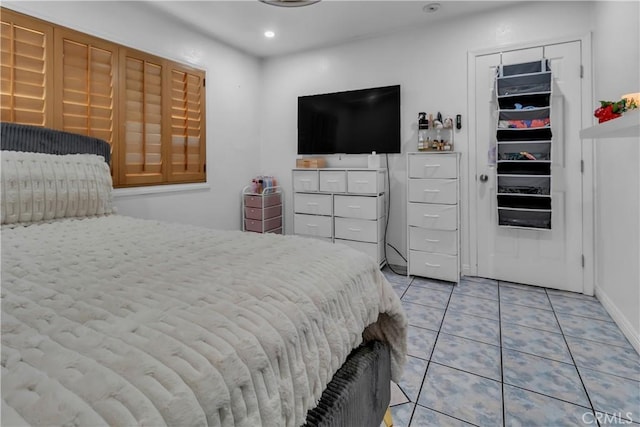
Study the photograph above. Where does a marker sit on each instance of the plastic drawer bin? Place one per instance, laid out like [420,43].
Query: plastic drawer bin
[523,218]
[524,84]
[512,151]
[262,226]
[255,201]
[524,185]
[266,213]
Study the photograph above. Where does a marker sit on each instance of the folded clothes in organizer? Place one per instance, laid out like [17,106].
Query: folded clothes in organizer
[524,124]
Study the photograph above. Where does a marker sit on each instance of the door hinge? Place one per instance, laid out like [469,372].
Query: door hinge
[581,71]
[582,261]
[582,166]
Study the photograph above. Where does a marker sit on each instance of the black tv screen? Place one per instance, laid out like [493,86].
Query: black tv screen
[351,122]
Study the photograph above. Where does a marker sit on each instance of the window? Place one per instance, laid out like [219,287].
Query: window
[151,110]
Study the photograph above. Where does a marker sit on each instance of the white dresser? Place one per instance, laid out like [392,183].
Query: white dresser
[433,215]
[342,205]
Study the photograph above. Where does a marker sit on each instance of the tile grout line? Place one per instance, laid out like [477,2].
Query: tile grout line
[504,406]
[575,365]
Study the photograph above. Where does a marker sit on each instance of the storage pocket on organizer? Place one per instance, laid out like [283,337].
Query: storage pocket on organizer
[524,202]
[528,100]
[524,167]
[523,84]
[524,118]
[525,68]
[518,151]
[529,219]
[526,134]
[524,185]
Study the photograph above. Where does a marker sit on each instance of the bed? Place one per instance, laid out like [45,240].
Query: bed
[113,320]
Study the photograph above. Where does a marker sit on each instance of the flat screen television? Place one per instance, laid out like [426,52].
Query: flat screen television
[350,122]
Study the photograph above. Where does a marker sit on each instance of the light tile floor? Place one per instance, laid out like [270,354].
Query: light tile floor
[491,353]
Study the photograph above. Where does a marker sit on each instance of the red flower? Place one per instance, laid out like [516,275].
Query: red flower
[605,113]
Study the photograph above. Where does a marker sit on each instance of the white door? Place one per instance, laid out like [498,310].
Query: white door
[549,258]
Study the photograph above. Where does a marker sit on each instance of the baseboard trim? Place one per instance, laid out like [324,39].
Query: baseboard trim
[623,323]
[466,270]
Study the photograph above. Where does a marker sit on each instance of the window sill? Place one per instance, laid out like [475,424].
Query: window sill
[159,189]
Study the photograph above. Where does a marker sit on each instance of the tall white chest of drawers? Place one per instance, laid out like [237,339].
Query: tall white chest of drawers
[433,215]
[342,206]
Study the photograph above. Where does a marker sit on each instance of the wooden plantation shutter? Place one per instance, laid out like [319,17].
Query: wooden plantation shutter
[85,87]
[141,106]
[86,95]
[187,148]
[26,84]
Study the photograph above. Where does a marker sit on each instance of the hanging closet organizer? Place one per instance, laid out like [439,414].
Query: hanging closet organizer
[523,145]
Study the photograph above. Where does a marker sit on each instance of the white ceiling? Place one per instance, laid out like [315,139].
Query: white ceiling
[242,23]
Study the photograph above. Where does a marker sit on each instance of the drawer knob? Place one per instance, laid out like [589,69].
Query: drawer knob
[431,216]
[305,179]
[312,203]
[332,180]
[312,225]
[431,166]
[353,207]
[432,265]
[431,191]
[432,240]
[362,181]
[355,229]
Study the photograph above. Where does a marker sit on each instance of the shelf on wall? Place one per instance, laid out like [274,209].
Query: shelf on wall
[627,126]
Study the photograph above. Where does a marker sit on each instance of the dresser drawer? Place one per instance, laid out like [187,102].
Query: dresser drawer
[437,266]
[333,181]
[315,204]
[361,230]
[428,240]
[312,225]
[374,250]
[364,207]
[262,200]
[433,191]
[439,217]
[266,213]
[365,182]
[305,180]
[263,226]
[433,166]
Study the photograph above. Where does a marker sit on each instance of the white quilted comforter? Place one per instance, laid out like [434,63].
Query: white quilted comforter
[119,321]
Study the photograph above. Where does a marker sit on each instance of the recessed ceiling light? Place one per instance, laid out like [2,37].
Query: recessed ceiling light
[431,7]
[269,34]
[290,3]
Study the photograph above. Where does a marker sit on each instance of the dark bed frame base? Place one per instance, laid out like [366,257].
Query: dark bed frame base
[359,393]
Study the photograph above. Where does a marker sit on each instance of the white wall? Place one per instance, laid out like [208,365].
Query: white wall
[617,210]
[233,90]
[429,63]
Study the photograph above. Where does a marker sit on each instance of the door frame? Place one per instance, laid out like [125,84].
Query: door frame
[588,222]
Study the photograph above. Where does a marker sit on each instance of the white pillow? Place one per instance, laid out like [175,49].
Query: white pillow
[42,187]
